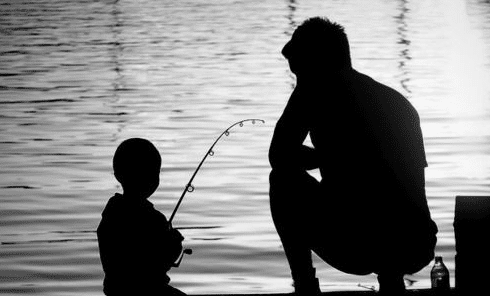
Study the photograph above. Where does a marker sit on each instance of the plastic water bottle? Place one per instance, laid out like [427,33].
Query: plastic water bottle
[439,275]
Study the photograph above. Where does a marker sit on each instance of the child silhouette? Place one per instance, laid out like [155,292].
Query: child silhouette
[137,245]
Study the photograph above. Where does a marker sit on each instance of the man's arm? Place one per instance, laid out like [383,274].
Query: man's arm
[287,150]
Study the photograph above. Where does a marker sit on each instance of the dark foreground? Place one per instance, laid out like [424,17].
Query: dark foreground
[418,292]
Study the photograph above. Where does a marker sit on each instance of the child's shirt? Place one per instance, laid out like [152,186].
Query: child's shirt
[137,246]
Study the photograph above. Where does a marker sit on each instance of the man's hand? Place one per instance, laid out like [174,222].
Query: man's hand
[309,158]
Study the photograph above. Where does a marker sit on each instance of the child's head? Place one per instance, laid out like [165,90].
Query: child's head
[137,166]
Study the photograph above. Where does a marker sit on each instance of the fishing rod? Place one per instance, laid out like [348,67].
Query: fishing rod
[210,152]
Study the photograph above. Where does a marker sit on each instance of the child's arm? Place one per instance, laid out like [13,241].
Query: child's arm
[170,242]
[175,239]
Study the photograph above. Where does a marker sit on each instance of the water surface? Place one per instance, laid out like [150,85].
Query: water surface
[78,77]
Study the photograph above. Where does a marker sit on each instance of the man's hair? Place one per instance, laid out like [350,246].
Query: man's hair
[135,157]
[319,36]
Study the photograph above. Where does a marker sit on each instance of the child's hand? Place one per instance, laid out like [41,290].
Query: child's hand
[176,236]
[173,246]
[175,239]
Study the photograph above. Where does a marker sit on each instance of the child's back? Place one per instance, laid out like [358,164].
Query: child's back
[136,243]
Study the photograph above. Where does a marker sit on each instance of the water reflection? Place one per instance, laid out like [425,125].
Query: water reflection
[289,32]
[117,26]
[291,18]
[404,42]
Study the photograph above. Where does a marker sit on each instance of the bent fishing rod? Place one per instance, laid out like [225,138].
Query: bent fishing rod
[210,152]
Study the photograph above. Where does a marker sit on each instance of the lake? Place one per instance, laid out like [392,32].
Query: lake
[78,77]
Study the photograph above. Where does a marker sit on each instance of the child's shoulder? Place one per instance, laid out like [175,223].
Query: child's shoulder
[139,210]
[115,200]
[113,205]
[157,214]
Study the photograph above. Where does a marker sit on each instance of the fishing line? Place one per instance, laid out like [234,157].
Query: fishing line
[210,152]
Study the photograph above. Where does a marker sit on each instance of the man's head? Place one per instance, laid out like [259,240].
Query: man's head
[136,165]
[318,45]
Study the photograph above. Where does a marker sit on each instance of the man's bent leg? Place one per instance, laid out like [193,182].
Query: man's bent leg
[291,200]
[171,291]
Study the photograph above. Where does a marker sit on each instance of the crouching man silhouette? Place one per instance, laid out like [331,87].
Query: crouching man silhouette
[369,212]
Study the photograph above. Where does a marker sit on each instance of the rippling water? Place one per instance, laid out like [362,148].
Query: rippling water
[78,77]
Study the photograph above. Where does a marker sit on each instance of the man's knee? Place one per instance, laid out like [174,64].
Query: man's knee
[293,193]
[280,177]
[296,180]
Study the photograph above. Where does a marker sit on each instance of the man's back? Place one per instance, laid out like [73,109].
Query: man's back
[364,122]
[370,148]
